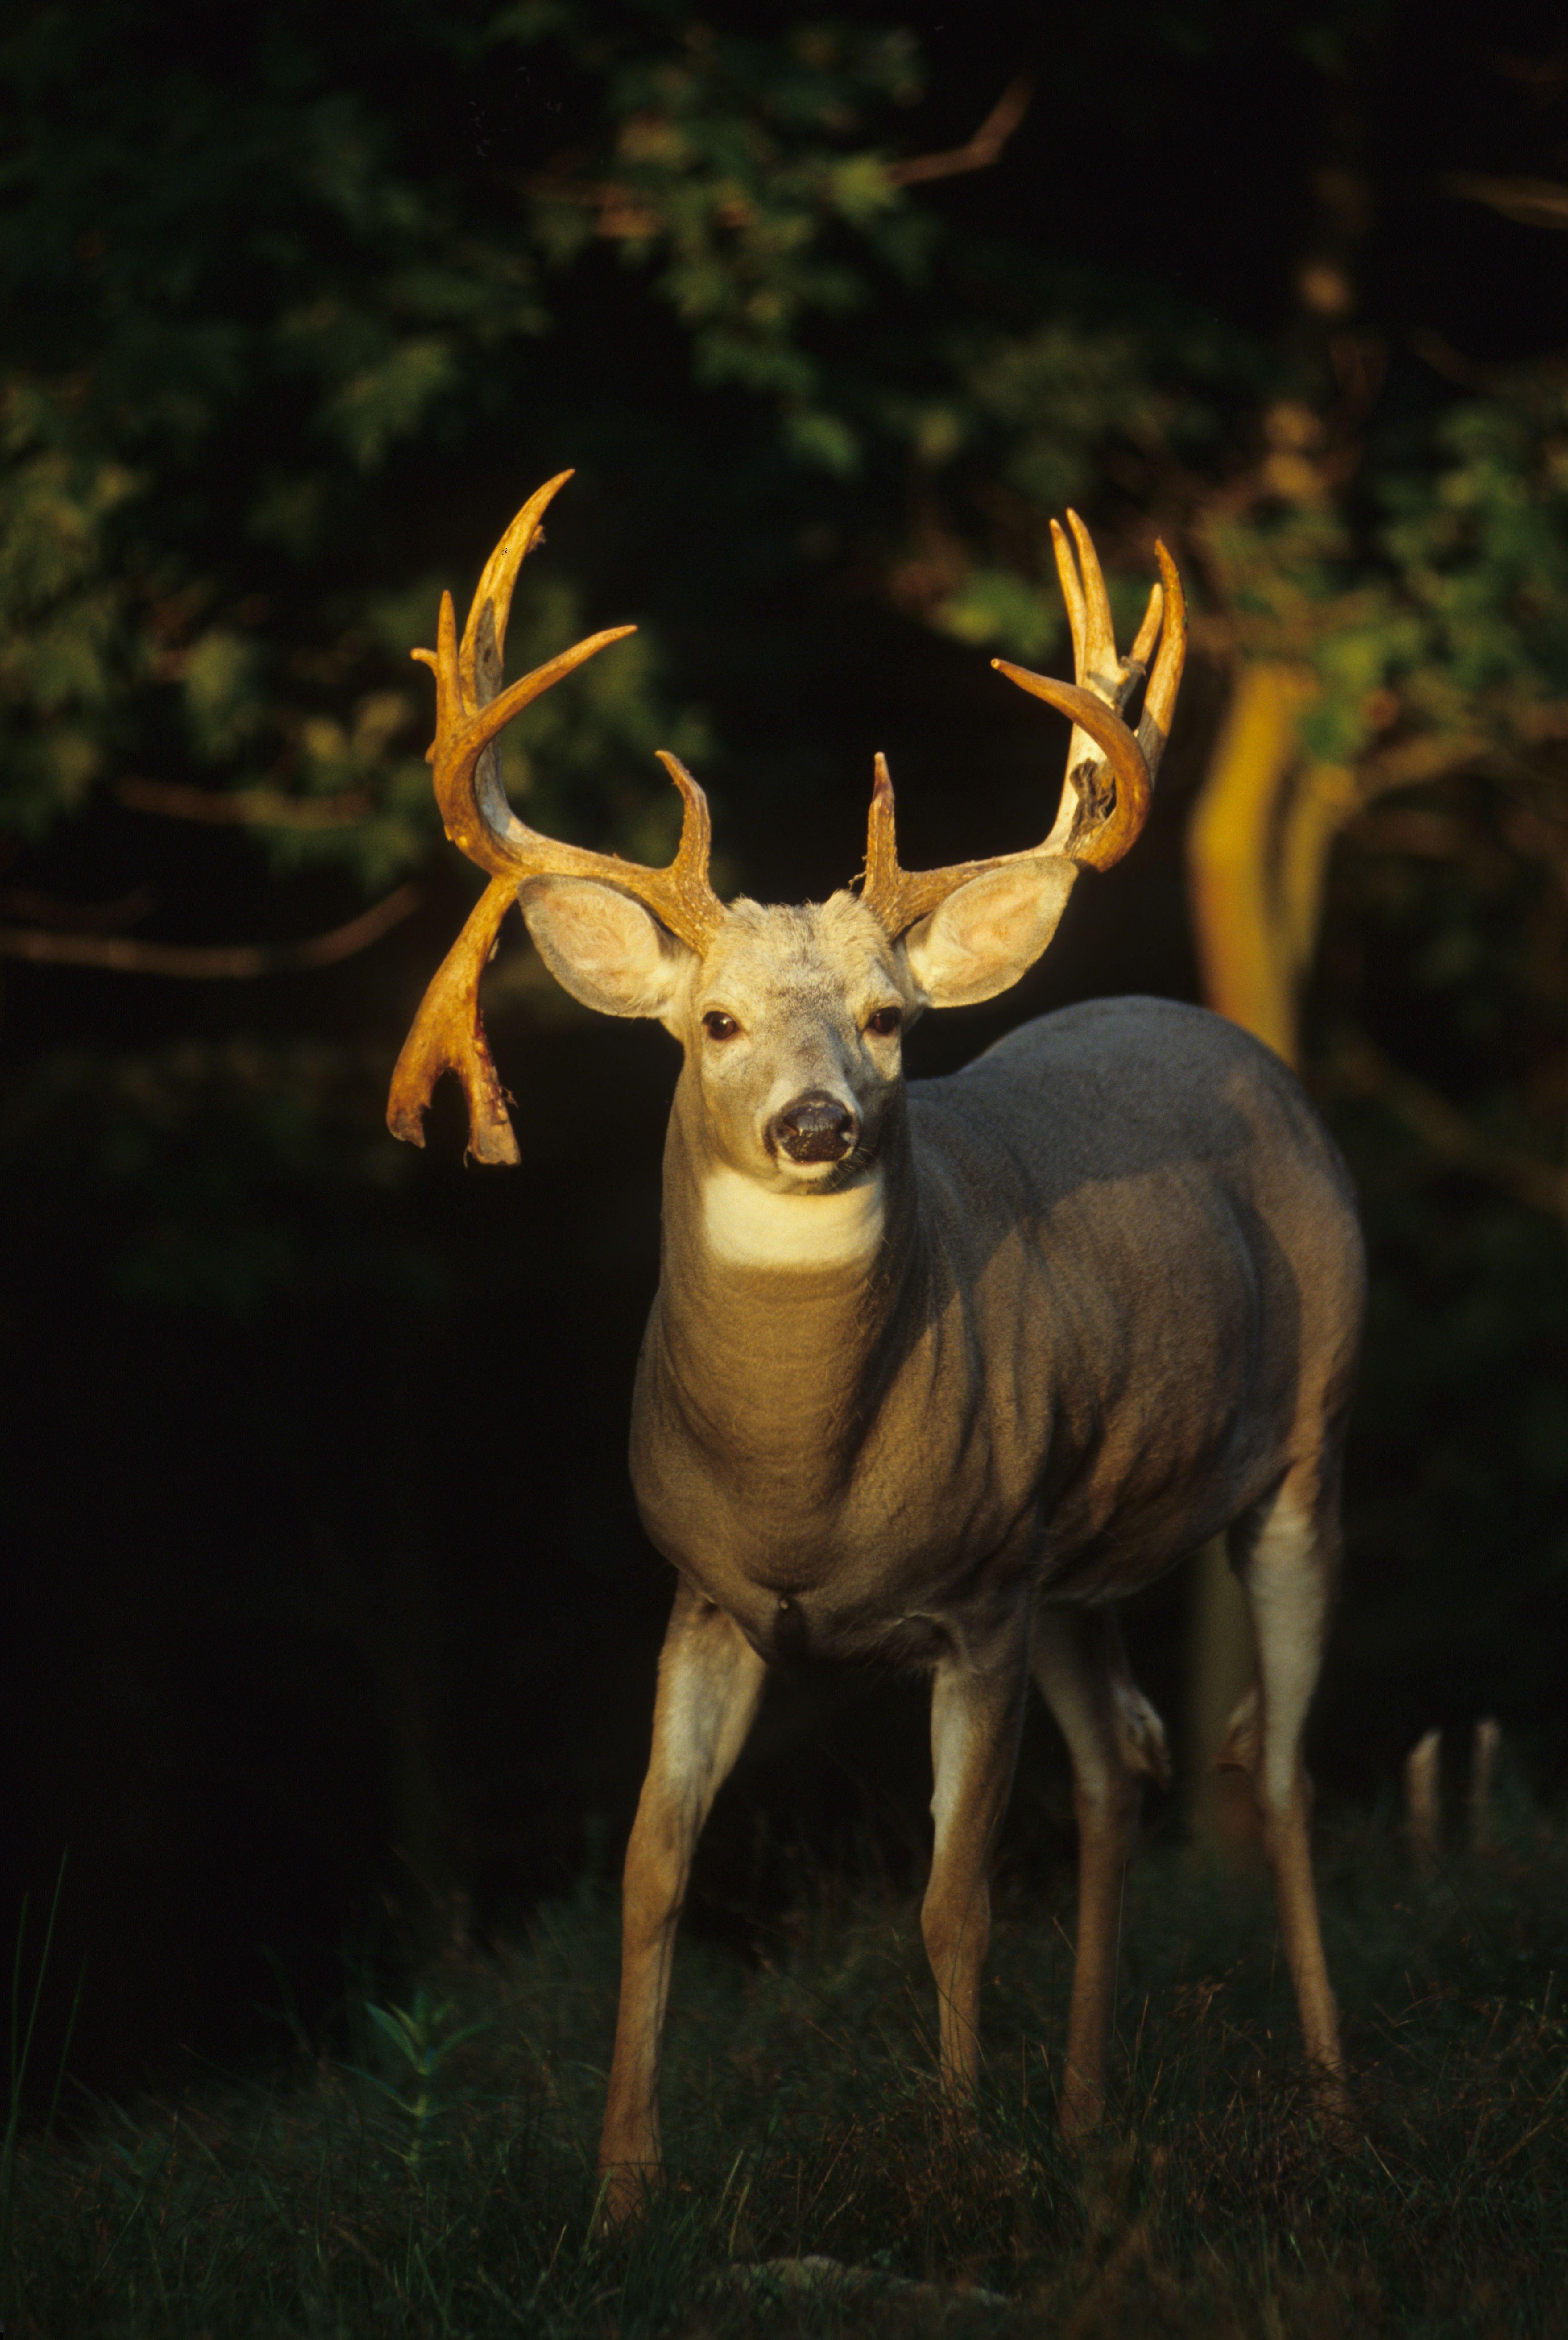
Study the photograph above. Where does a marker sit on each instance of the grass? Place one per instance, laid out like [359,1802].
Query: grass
[437,2179]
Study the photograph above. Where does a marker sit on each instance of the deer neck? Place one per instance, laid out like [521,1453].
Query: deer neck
[780,1317]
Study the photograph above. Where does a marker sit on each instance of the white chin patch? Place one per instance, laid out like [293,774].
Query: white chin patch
[750,1226]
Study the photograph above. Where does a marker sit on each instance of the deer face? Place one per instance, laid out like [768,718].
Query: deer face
[792,1020]
[792,1024]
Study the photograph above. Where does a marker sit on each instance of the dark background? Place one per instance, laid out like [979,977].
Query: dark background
[328,1621]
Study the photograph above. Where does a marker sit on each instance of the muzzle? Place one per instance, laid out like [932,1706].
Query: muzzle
[813,1127]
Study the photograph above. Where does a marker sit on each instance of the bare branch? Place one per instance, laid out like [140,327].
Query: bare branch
[1436,351]
[625,212]
[1530,203]
[1428,755]
[203,963]
[259,807]
[76,917]
[1364,1067]
[1433,836]
[981,151]
[1543,76]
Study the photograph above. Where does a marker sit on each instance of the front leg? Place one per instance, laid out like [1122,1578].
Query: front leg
[710,1681]
[976,1712]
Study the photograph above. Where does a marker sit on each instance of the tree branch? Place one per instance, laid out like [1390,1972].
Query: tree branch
[1530,203]
[262,808]
[203,963]
[1363,1066]
[981,151]
[627,211]
[78,918]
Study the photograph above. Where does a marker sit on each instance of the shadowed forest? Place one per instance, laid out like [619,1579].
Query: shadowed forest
[330,1630]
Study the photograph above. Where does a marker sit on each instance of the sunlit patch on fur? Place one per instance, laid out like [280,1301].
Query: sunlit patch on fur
[1288,1593]
[751,1225]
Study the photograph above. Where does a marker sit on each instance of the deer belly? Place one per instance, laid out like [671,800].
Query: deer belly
[788,1629]
[1105,1540]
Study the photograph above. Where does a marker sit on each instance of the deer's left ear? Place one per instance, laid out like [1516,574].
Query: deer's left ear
[989,932]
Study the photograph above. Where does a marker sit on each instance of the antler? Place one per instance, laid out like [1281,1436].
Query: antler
[471,709]
[1110,769]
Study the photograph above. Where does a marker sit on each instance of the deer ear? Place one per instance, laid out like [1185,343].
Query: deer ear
[989,932]
[602,947]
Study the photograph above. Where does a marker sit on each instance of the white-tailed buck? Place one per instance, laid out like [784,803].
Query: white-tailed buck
[936,1373]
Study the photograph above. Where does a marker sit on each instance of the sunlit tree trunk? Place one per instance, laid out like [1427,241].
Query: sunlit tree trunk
[1257,854]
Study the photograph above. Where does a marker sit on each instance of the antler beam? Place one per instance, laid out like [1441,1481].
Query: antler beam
[471,711]
[1110,768]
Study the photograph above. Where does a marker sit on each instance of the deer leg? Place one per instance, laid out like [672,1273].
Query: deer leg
[1113,1736]
[710,1682]
[1287,1559]
[976,1712]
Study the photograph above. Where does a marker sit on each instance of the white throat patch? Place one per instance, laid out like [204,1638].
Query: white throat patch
[750,1226]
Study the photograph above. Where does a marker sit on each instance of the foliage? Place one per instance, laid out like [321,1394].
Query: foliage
[23,2023]
[419,2041]
[286,316]
[816,2184]
[264,302]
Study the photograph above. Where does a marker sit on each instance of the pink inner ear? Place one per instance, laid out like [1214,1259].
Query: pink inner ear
[605,949]
[993,928]
[991,916]
[601,928]
[983,937]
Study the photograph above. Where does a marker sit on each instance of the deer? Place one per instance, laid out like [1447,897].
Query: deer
[938,1371]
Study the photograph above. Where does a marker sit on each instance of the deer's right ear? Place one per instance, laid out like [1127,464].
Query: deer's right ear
[989,932]
[602,947]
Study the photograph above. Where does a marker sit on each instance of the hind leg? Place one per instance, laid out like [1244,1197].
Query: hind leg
[1287,1557]
[1113,1736]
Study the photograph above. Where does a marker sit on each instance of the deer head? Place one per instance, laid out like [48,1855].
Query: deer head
[791,1018]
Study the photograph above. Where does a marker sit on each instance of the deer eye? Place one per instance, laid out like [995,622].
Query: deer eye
[718,1026]
[886,1022]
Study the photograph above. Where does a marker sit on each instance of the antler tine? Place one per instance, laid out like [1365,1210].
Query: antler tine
[1147,634]
[894,894]
[685,899]
[1099,656]
[1110,771]
[473,802]
[1159,699]
[484,644]
[471,711]
[1094,659]
[1073,595]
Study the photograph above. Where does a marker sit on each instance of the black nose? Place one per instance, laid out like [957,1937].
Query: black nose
[814,1127]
